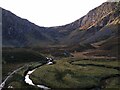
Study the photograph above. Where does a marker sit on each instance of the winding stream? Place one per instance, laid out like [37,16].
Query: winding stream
[30,82]
[27,79]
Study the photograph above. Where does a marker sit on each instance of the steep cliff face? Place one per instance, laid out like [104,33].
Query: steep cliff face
[96,14]
[99,24]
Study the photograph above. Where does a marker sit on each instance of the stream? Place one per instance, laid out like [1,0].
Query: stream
[102,81]
[30,82]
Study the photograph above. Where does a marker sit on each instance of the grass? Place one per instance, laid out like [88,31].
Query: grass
[21,55]
[64,75]
[17,79]
[9,68]
[114,63]
[113,83]
[13,58]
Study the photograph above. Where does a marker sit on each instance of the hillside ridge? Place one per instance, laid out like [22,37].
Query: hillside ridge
[18,32]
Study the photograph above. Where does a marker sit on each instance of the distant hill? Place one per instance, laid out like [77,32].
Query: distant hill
[99,24]
[18,32]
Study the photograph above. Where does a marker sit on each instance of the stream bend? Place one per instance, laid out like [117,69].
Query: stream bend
[28,72]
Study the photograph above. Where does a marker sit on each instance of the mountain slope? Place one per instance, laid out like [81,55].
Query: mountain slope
[20,32]
[97,25]
[98,30]
[90,18]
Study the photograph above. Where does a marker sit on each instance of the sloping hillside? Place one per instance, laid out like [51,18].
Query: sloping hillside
[99,24]
[20,32]
[99,30]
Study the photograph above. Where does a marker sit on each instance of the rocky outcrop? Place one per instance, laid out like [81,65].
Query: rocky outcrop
[104,26]
[90,18]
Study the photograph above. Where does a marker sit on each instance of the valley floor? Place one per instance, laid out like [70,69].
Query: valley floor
[79,73]
[72,73]
[85,71]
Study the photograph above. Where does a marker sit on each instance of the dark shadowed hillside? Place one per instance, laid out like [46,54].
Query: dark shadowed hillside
[20,32]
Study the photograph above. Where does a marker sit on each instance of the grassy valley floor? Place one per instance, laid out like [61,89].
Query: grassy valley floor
[80,71]
[85,74]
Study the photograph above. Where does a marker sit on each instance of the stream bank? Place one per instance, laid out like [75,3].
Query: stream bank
[30,71]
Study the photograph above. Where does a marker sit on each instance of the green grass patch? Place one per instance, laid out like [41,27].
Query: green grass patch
[65,75]
[114,63]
